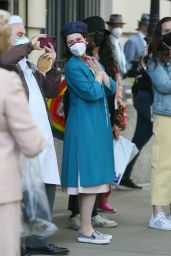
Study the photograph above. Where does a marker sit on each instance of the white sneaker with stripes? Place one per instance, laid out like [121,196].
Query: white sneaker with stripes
[160,221]
[95,238]
[104,235]
[169,217]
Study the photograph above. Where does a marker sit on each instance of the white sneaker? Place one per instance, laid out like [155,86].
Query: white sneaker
[104,235]
[95,238]
[160,221]
[169,217]
[104,222]
[74,222]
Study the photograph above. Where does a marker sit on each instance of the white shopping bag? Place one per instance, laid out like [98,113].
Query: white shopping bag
[124,152]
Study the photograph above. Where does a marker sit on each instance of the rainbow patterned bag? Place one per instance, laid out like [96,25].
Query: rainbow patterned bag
[56,107]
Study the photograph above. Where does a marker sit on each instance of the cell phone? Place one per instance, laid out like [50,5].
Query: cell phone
[49,39]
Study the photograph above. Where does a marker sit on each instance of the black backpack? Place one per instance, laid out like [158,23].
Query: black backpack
[142,82]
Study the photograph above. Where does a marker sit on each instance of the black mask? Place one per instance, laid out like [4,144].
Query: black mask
[167,39]
[98,39]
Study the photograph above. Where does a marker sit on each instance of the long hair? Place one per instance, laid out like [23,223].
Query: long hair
[105,53]
[156,49]
[107,58]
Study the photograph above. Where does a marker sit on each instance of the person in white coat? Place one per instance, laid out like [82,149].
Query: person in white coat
[116,28]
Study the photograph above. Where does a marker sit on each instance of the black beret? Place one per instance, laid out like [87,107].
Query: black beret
[73,27]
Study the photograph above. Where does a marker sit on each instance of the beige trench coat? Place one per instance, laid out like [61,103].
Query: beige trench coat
[17,133]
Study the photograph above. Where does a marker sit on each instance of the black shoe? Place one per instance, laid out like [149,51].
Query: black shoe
[24,253]
[130,184]
[50,249]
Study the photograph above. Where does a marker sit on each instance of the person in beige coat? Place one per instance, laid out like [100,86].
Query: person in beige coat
[17,133]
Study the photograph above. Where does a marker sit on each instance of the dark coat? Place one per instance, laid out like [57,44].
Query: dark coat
[48,85]
[143,94]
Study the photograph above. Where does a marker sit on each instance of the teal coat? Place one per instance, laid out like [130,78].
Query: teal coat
[88,142]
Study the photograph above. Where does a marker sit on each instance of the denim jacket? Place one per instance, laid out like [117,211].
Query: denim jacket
[160,75]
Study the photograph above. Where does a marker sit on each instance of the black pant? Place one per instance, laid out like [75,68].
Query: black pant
[143,133]
[73,206]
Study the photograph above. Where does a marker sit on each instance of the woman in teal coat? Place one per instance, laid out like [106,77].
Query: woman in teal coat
[88,164]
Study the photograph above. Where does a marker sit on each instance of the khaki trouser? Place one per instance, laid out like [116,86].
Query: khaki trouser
[161,161]
[10,229]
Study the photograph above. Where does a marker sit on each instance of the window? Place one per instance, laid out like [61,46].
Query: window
[10,5]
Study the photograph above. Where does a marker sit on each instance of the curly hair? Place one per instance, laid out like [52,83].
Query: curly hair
[105,53]
[107,58]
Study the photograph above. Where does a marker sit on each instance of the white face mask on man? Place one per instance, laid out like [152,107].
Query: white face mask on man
[78,48]
[117,32]
[22,40]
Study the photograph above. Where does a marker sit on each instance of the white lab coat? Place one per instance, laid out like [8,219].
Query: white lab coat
[47,158]
[118,54]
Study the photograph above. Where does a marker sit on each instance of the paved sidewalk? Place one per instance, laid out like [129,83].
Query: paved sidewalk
[131,238]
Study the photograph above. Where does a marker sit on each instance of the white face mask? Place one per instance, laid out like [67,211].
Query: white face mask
[117,32]
[78,49]
[22,40]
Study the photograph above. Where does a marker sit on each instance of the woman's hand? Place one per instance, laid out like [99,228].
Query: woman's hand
[97,69]
[119,90]
[119,97]
[94,65]
[118,78]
